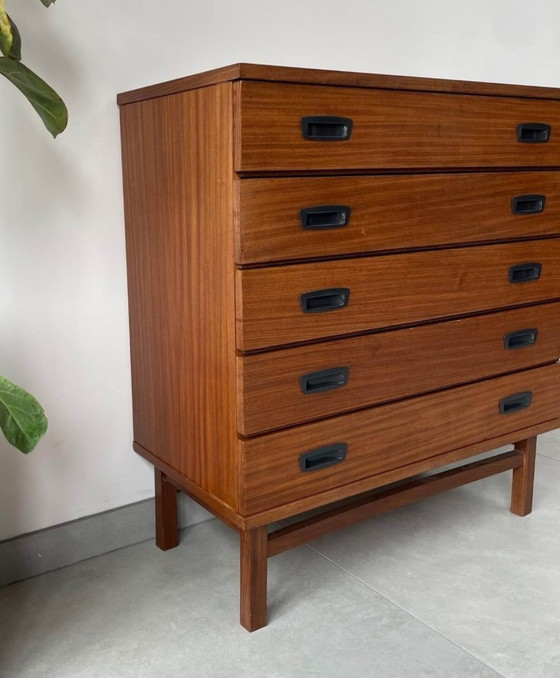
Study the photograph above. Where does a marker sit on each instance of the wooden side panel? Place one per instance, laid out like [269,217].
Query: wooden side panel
[391,436]
[390,213]
[389,365]
[177,163]
[391,290]
[391,130]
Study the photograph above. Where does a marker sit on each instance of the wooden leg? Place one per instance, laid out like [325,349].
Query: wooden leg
[167,532]
[523,478]
[254,563]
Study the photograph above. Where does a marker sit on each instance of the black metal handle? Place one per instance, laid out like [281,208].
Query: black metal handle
[322,217]
[533,132]
[326,128]
[528,204]
[324,300]
[521,273]
[324,380]
[520,339]
[321,457]
[516,402]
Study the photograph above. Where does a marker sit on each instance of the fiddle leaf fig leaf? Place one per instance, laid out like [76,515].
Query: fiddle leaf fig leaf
[6,35]
[15,50]
[22,419]
[50,107]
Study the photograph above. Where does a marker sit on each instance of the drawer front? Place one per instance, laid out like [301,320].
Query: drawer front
[291,386]
[389,436]
[376,292]
[390,129]
[286,218]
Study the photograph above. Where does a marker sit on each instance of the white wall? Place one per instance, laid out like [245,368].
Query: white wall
[62,264]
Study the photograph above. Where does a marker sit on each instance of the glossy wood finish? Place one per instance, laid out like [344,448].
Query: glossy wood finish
[523,478]
[167,531]
[392,130]
[389,365]
[394,475]
[181,287]
[321,76]
[376,504]
[389,213]
[392,435]
[387,291]
[254,554]
[217,352]
[210,502]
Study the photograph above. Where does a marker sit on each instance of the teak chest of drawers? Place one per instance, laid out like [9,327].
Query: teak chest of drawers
[337,282]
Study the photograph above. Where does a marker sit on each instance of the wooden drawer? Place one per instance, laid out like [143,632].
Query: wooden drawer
[282,388]
[393,435]
[388,213]
[391,129]
[387,291]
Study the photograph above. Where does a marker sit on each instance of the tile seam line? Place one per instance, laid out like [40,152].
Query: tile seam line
[540,454]
[411,614]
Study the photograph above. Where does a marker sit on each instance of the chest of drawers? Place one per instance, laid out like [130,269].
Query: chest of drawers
[337,282]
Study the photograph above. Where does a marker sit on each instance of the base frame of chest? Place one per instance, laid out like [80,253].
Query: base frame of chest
[257,543]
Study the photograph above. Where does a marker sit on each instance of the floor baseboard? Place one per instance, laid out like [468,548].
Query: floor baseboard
[60,545]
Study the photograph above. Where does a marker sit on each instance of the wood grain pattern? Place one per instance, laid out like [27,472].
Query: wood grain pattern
[389,213]
[391,436]
[208,501]
[181,286]
[167,531]
[392,130]
[376,504]
[389,365]
[389,290]
[217,351]
[394,475]
[524,478]
[329,77]
[254,554]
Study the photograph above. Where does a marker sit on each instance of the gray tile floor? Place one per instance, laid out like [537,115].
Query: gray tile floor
[453,586]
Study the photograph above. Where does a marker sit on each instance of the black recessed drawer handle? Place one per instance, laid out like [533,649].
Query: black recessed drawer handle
[520,339]
[322,457]
[521,273]
[324,380]
[528,204]
[326,128]
[516,402]
[533,132]
[324,300]
[322,217]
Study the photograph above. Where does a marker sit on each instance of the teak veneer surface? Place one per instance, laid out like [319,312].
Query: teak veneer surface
[389,290]
[389,213]
[375,504]
[181,286]
[319,76]
[392,130]
[393,435]
[398,474]
[389,365]
[218,261]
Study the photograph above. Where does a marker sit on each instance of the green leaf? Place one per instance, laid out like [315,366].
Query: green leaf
[47,3]
[6,36]
[22,419]
[15,50]
[41,96]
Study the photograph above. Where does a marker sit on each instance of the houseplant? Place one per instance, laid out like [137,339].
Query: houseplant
[22,418]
